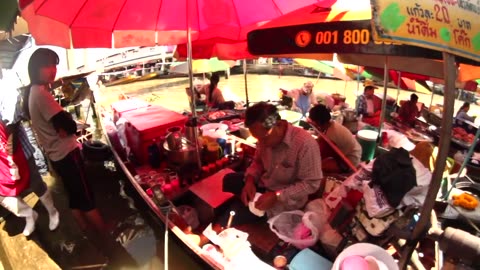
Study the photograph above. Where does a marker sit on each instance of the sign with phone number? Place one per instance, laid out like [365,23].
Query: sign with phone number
[329,37]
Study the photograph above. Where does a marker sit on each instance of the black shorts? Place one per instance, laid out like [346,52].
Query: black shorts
[72,171]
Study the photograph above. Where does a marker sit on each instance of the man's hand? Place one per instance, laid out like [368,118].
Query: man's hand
[249,190]
[266,201]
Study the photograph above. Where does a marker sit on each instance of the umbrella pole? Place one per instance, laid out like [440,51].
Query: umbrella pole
[318,77]
[245,80]
[421,227]
[192,91]
[398,85]
[384,100]
[431,101]
[358,86]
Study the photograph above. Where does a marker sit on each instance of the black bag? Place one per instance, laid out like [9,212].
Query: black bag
[394,173]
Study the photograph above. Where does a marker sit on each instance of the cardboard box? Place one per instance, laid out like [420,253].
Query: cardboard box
[209,196]
[149,123]
[126,105]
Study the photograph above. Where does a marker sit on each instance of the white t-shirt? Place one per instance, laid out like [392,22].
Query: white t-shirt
[42,108]
[343,138]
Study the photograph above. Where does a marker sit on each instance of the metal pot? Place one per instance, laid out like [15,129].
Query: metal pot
[186,154]
[174,138]
[349,115]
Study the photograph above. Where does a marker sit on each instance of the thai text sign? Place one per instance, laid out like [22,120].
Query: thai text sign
[446,25]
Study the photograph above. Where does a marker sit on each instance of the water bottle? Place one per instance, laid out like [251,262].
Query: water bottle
[154,155]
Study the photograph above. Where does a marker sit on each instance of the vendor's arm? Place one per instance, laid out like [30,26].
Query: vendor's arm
[252,175]
[465,116]
[256,169]
[64,124]
[309,173]
[218,96]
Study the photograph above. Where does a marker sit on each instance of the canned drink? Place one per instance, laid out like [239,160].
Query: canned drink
[228,147]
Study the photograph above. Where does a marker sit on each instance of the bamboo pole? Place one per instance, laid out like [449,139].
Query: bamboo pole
[384,100]
[421,228]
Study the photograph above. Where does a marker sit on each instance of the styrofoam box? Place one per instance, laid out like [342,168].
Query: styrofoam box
[146,124]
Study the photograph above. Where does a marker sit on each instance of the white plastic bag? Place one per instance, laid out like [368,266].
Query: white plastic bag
[285,224]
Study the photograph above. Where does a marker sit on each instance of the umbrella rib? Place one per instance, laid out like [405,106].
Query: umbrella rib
[156,22]
[76,16]
[116,19]
[198,22]
[238,19]
[276,7]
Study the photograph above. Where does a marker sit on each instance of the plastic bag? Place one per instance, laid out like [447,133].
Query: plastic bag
[286,226]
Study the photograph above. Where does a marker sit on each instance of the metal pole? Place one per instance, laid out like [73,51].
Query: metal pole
[398,85]
[384,100]
[464,163]
[192,91]
[358,86]
[245,79]
[449,70]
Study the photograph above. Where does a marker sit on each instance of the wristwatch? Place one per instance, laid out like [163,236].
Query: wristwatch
[278,193]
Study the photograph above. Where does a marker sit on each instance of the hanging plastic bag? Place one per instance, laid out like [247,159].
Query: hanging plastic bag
[295,227]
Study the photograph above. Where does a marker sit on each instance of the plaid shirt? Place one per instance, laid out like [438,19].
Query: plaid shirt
[10,114]
[362,105]
[292,167]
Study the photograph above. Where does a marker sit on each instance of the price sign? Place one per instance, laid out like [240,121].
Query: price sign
[445,25]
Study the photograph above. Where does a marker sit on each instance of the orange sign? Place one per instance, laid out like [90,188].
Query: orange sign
[444,25]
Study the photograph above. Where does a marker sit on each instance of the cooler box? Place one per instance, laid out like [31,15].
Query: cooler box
[368,140]
[126,105]
[146,124]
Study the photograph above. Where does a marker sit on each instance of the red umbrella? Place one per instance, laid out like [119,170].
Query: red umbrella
[124,23]
[222,49]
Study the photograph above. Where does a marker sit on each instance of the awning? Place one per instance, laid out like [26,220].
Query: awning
[10,49]
[8,14]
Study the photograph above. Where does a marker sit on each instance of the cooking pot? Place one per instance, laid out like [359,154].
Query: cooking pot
[174,138]
[349,115]
[186,154]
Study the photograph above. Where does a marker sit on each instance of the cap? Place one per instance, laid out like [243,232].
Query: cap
[369,83]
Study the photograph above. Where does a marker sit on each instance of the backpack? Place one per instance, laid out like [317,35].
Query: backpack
[394,173]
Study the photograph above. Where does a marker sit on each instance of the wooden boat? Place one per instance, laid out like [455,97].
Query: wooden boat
[127,79]
[148,76]
[205,194]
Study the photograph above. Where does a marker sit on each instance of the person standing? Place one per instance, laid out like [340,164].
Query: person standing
[303,98]
[18,170]
[19,173]
[56,130]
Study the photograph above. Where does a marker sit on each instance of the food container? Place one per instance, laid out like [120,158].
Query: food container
[214,130]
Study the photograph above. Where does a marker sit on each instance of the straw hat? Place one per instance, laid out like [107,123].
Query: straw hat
[369,83]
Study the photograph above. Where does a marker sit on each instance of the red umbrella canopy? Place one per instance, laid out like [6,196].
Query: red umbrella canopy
[222,49]
[124,23]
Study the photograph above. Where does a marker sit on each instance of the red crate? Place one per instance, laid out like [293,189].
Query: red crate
[146,124]
[126,105]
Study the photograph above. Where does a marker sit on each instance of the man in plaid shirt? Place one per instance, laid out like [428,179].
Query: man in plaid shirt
[367,106]
[286,167]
